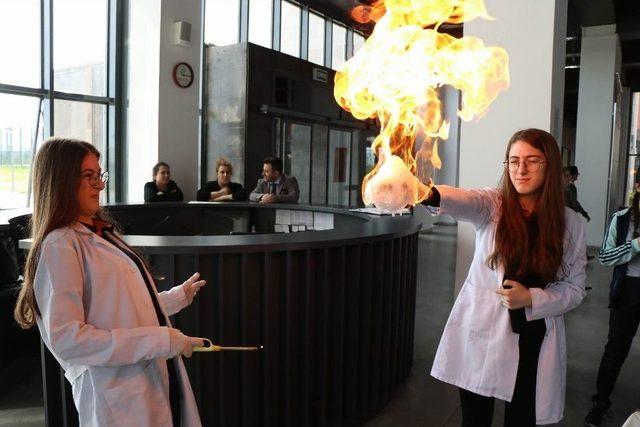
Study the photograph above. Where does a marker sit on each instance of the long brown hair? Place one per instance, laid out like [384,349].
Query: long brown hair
[56,178]
[540,254]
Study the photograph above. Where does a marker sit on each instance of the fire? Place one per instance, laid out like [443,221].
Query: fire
[395,78]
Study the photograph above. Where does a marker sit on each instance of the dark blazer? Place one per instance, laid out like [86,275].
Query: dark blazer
[237,191]
[287,190]
[152,194]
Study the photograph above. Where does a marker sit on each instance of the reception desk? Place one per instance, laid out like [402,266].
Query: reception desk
[332,303]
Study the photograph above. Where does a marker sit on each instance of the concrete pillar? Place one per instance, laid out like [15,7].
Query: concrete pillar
[600,59]
[162,118]
[533,34]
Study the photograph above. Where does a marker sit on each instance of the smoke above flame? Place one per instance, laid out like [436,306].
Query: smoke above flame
[395,78]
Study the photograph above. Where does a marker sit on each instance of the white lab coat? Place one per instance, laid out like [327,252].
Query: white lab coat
[98,320]
[478,350]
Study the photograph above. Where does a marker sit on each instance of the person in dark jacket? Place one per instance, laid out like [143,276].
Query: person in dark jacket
[570,175]
[275,186]
[222,189]
[162,189]
[620,249]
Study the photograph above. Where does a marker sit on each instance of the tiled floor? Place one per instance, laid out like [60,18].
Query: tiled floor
[422,400]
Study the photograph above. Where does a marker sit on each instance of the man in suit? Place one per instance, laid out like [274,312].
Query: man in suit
[275,186]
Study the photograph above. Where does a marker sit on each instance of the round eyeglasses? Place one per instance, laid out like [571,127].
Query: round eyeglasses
[531,165]
[96,178]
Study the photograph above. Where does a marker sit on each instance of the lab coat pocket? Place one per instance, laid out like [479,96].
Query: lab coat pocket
[470,307]
[139,400]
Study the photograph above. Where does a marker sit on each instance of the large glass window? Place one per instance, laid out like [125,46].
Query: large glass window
[634,144]
[338,46]
[290,29]
[222,22]
[316,39]
[21,128]
[81,120]
[80,46]
[74,105]
[20,42]
[260,19]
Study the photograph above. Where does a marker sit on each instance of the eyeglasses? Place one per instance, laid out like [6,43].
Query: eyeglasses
[96,178]
[531,165]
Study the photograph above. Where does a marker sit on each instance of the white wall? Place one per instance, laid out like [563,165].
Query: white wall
[526,31]
[163,119]
[599,59]
[178,112]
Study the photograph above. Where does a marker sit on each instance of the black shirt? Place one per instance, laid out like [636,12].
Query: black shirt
[237,191]
[152,194]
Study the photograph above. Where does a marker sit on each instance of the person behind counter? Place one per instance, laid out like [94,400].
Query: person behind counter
[162,188]
[222,189]
[275,186]
[505,337]
[95,302]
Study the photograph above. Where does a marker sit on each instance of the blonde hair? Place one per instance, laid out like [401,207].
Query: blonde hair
[56,178]
[224,162]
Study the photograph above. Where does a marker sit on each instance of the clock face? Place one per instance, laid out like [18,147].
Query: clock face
[183,74]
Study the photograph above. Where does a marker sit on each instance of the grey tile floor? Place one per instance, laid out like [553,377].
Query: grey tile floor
[421,400]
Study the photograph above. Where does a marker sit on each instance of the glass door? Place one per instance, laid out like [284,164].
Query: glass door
[339,167]
[296,155]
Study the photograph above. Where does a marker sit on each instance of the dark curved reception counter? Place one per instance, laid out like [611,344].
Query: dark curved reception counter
[334,308]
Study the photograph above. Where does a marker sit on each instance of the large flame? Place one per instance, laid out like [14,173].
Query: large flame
[395,77]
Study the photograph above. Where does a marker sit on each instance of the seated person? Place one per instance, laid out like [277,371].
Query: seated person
[275,186]
[222,189]
[162,189]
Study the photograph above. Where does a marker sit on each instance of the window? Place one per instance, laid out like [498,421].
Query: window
[18,133]
[633,163]
[260,19]
[78,103]
[20,42]
[80,46]
[338,47]
[81,120]
[222,22]
[290,29]
[316,39]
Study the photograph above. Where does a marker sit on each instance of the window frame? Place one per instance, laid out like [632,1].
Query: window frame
[112,157]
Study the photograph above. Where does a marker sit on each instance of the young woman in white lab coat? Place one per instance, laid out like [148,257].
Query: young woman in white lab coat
[95,302]
[505,336]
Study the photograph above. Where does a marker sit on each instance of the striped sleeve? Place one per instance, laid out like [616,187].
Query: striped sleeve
[614,254]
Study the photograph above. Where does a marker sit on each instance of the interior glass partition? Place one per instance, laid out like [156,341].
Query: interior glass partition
[339,164]
[296,156]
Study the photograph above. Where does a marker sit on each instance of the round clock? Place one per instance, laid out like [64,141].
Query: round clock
[183,74]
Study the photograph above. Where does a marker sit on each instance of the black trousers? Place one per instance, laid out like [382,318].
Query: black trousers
[623,325]
[477,411]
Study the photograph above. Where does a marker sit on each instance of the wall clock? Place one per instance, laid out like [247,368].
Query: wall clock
[183,74]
